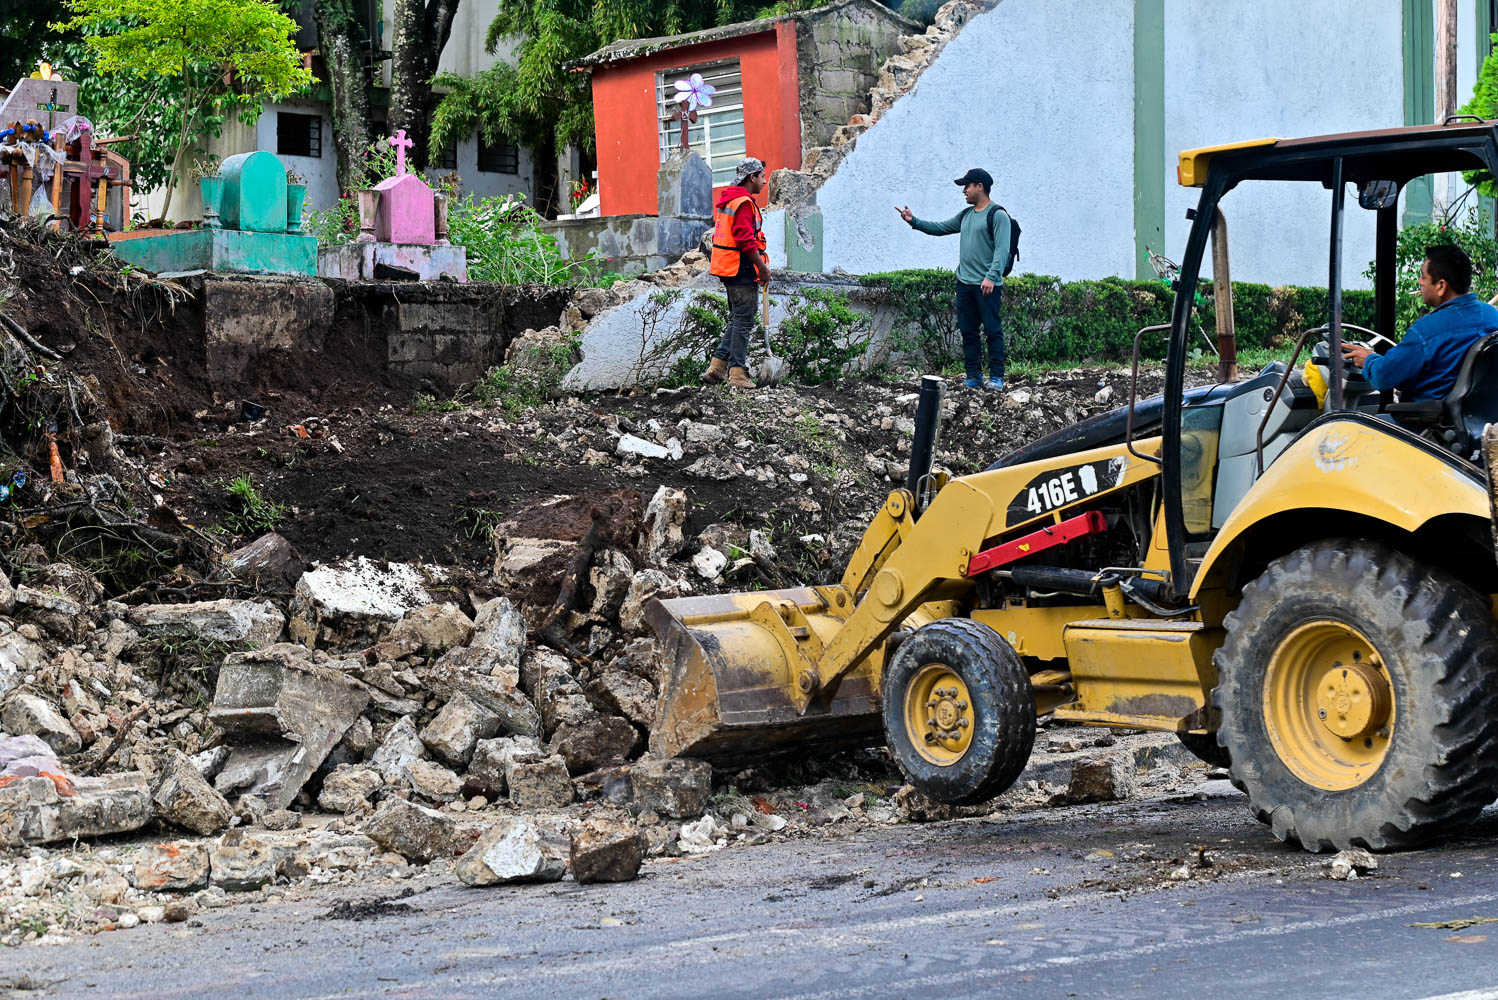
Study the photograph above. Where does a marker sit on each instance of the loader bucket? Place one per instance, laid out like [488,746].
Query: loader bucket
[727,681]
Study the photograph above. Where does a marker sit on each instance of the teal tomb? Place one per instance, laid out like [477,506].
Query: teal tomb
[252,234]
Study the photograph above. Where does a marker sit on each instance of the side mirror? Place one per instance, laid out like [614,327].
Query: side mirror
[1378,194]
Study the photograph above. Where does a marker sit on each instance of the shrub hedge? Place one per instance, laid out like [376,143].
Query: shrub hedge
[1052,321]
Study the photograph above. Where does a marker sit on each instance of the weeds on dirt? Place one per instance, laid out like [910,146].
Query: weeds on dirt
[256,514]
[529,379]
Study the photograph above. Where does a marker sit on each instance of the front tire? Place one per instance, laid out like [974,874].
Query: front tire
[959,712]
[1358,698]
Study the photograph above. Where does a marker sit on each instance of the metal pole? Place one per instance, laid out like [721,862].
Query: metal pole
[923,447]
[1334,287]
[1386,247]
[1222,298]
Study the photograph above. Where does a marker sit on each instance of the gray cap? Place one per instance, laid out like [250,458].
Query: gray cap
[747,168]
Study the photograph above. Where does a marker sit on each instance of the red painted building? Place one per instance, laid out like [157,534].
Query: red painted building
[783,84]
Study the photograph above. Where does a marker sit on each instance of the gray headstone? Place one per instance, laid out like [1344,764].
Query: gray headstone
[685,187]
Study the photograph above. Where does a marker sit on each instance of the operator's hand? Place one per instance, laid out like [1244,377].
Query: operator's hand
[1356,354]
[764,273]
[906,213]
[987,287]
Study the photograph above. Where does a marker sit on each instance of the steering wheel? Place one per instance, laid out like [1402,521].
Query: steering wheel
[1374,334]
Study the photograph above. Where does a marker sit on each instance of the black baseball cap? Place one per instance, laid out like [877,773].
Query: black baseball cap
[977,175]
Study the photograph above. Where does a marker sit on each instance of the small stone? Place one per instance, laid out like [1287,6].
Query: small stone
[1350,864]
[430,630]
[348,788]
[515,850]
[174,867]
[702,835]
[605,851]
[433,781]
[414,832]
[709,563]
[540,783]
[152,914]
[630,695]
[281,819]
[636,447]
[127,921]
[175,913]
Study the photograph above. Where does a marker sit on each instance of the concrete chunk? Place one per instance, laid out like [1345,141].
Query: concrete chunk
[1102,779]
[173,867]
[19,656]
[241,863]
[414,832]
[32,811]
[431,629]
[348,788]
[515,850]
[457,728]
[28,714]
[400,747]
[183,796]
[604,851]
[674,786]
[257,623]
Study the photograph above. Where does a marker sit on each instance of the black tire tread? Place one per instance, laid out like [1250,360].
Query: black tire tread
[996,677]
[1455,757]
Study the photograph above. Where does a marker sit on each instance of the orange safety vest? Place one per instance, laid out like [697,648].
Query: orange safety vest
[726,256]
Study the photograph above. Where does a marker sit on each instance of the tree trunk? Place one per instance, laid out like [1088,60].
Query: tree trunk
[418,33]
[338,39]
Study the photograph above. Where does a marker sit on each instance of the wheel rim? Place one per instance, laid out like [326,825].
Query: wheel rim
[1329,705]
[939,719]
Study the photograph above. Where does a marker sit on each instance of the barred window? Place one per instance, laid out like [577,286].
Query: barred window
[501,158]
[298,134]
[718,135]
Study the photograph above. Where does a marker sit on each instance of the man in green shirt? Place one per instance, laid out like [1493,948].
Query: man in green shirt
[981,256]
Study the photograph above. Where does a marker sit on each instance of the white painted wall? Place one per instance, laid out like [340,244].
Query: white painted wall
[1038,92]
[1281,68]
[321,172]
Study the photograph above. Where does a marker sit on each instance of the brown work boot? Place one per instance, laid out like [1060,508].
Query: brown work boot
[716,372]
[738,378]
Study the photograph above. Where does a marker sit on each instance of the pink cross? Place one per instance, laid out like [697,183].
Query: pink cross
[401,144]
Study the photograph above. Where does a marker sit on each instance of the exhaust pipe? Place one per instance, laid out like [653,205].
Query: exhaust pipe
[923,448]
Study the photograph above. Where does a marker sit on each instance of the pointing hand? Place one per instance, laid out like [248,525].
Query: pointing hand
[906,213]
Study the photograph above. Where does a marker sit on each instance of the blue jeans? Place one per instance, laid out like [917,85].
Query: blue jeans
[734,348]
[973,308]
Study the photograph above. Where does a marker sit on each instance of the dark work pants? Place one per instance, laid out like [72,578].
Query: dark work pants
[975,308]
[734,347]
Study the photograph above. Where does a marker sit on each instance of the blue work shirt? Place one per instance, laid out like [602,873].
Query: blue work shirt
[1425,363]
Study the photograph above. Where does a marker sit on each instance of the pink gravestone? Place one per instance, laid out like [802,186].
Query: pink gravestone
[406,212]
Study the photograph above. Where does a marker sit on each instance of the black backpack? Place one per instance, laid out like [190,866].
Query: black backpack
[1013,237]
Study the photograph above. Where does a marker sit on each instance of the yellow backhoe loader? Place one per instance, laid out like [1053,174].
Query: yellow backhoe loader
[1290,570]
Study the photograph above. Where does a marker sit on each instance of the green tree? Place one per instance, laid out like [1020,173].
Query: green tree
[419,32]
[1484,104]
[200,58]
[24,39]
[348,78]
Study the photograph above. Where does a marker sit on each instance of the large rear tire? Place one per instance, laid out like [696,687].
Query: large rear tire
[1358,698]
[959,712]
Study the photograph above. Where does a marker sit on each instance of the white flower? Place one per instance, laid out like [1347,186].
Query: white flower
[694,93]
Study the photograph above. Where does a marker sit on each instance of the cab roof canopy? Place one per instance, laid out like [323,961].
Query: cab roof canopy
[1395,154]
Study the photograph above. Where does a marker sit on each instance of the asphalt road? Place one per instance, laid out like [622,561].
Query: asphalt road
[1055,903]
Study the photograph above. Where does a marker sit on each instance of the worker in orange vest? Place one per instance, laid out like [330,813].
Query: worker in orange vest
[738,258]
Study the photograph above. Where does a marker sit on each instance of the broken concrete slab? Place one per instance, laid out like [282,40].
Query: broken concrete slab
[350,605]
[282,714]
[672,786]
[661,535]
[607,851]
[178,866]
[27,714]
[515,850]
[456,729]
[183,796]
[610,576]
[486,772]
[518,561]
[414,832]
[500,627]
[32,811]
[257,623]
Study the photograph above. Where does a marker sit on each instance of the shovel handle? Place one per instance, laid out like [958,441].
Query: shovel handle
[764,299]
